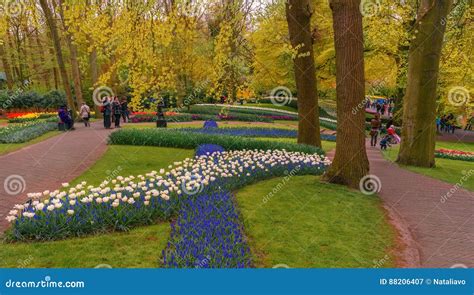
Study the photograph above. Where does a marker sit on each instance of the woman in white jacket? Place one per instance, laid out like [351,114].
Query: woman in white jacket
[85,114]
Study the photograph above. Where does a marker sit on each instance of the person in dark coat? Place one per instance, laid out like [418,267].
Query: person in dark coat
[107,112]
[65,117]
[117,111]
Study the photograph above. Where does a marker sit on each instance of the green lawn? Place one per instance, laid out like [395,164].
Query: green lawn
[128,160]
[10,147]
[306,223]
[272,106]
[141,247]
[327,145]
[447,170]
[233,124]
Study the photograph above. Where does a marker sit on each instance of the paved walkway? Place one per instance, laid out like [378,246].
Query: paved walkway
[440,227]
[458,136]
[47,164]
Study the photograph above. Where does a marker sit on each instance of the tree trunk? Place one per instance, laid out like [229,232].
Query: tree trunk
[59,55]
[76,73]
[6,67]
[46,72]
[350,162]
[298,16]
[419,104]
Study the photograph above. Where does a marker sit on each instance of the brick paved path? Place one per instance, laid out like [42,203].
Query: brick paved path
[442,225]
[47,164]
[440,228]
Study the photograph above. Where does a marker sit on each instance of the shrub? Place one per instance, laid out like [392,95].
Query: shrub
[190,140]
[31,99]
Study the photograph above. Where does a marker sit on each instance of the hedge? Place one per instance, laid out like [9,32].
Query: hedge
[189,140]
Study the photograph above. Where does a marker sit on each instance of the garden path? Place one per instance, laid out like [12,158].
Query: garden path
[438,216]
[47,164]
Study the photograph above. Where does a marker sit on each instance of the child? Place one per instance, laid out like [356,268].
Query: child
[385,142]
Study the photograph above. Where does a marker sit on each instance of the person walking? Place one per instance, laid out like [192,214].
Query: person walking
[107,112]
[374,131]
[85,114]
[125,113]
[117,111]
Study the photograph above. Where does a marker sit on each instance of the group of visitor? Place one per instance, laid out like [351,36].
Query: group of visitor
[375,128]
[446,123]
[113,110]
[387,107]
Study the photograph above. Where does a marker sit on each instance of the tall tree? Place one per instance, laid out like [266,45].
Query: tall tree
[6,66]
[419,103]
[350,162]
[298,16]
[59,54]
[76,73]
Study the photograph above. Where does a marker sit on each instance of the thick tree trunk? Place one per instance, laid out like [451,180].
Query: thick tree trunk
[76,73]
[350,162]
[59,55]
[298,16]
[419,104]
[6,67]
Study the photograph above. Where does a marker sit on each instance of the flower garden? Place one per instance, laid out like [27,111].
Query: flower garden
[201,208]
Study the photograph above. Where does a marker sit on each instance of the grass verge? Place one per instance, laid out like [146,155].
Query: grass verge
[305,223]
[447,170]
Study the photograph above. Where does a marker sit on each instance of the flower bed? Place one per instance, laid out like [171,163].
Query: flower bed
[26,117]
[207,234]
[253,132]
[454,155]
[24,132]
[190,140]
[125,202]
